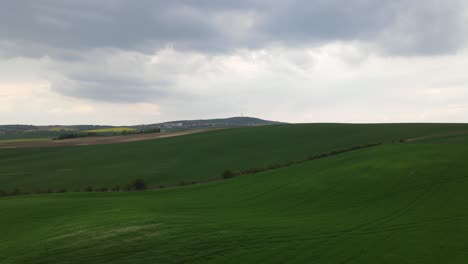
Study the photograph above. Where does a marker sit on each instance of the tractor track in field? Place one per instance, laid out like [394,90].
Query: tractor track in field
[89,141]
[442,135]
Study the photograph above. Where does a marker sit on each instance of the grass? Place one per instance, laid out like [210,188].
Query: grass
[189,158]
[111,130]
[60,129]
[396,203]
[17,140]
[36,135]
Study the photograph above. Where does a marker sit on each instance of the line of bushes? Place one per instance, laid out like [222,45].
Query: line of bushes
[135,185]
[138,132]
[18,191]
[227,174]
[75,135]
[94,134]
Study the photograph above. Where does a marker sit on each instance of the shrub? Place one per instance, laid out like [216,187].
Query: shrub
[16,191]
[140,184]
[89,189]
[116,188]
[227,174]
[136,185]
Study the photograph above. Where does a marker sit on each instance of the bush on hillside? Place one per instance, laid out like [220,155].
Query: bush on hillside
[136,185]
[140,184]
[16,191]
[227,174]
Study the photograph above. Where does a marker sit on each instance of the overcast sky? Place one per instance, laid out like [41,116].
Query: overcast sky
[126,62]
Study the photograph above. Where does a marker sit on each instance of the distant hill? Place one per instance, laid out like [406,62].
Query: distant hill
[209,123]
[30,131]
[195,157]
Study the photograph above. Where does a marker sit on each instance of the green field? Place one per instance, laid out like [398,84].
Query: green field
[111,130]
[60,129]
[189,158]
[27,135]
[17,140]
[395,203]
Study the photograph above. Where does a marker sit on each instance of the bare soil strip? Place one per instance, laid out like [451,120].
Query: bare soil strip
[97,140]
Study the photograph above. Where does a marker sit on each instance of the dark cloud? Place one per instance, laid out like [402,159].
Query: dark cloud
[101,50]
[396,27]
[29,27]
[77,25]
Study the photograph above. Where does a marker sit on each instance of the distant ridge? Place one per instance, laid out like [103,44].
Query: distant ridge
[52,130]
[210,123]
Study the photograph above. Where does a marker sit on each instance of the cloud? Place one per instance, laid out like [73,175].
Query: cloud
[107,75]
[51,27]
[296,60]
[323,86]
[395,27]
[33,103]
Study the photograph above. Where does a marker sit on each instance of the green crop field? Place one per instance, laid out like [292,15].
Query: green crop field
[60,129]
[189,158]
[23,140]
[42,134]
[111,130]
[395,203]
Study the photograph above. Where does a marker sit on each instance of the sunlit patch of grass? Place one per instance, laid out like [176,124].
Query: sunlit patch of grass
[111,130]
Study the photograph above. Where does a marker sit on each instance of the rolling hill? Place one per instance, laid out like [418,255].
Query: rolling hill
[196,157]
[8,132]
[209,123]
[395,203]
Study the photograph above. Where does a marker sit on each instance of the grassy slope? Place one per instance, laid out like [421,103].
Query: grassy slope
[397,203]
[193,157]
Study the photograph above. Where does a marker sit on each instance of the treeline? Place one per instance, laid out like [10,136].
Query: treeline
[18,191]
[227,174]
[135,185]
[75,135]
[95,134]
[138,132]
